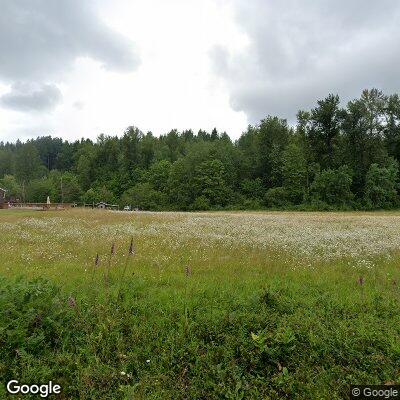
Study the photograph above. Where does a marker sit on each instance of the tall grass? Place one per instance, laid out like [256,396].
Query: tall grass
[187,318]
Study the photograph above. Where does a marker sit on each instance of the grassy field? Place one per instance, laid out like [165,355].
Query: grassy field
[208,306]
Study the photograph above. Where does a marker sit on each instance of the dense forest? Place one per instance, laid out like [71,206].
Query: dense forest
[334,158]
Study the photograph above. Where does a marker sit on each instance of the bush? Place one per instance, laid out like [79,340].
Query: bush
[201,203]
[97,195]
[252,188]
[36,325]
[38,190]
[333,187]
[251,204]
[145,197]
[381,186]
[14,189]
[276,197]
[247,341]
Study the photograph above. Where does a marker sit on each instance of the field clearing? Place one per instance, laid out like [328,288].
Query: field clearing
[298,239]
[211,305]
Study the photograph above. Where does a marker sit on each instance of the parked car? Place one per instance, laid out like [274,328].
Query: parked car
[127,208]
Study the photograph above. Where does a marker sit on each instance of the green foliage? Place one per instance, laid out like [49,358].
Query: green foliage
[363,139]
[97,195]
[6,163]
[39,189]
[84,169]
[70,190]
[277,197]
[27,163]
[333,187]
[323,129]
[294,173]
[252,188]
[144,197]
[179,184]
[381,186]
[392,131]
[208,171]
[201,203]
[34,316]
[232,343]
[158,174]
[14,189]
[271,139]
[209,182]
[250,319]
[66,187]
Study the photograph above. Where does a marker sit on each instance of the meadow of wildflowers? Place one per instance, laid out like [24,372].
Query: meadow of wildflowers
[200,305]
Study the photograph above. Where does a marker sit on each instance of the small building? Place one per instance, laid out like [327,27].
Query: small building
[3,202]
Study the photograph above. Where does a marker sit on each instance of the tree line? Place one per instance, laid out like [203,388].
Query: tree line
[334,158]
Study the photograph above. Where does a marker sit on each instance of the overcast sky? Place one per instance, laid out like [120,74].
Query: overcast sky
[75,68]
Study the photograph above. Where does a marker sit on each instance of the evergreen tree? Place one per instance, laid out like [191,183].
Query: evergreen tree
[271,164]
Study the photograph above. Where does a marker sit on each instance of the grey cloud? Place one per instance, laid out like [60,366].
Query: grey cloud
[31,97]
[41,38]
[301,51]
